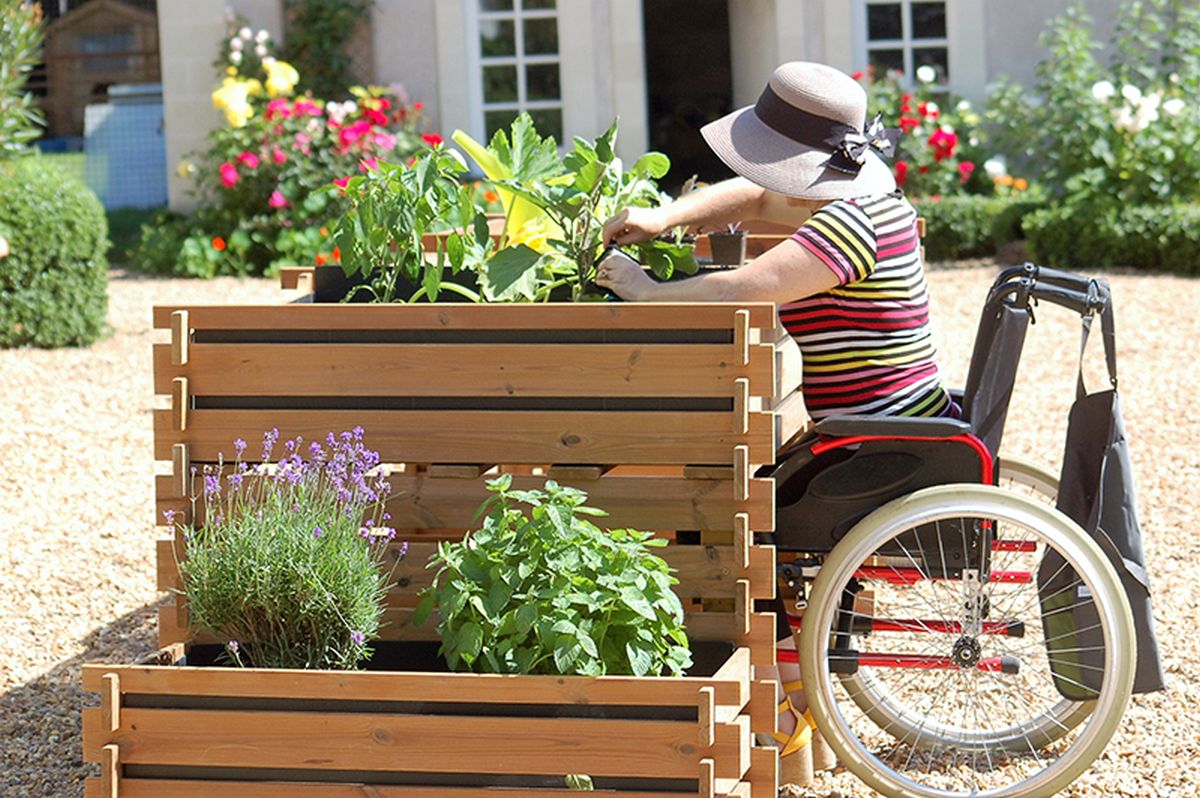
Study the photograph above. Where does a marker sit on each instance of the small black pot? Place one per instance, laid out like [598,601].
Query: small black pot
[728,249]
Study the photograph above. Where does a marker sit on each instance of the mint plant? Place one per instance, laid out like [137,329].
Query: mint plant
[546,591]
[289,566]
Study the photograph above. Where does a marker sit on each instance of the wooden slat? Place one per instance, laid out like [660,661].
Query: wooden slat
[764,772]
[731,685]
[570,316]
[169,788]
[702,571]
[631,502]
[792,417]
[487,435]
[488,370]
[290,277]
[406,743]
[764,713]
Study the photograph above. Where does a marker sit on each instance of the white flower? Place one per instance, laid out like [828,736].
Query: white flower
[266,62]
[947,128]
[926,74]
[235,57]
[235,45]
[973,141]
[1131,93]
[1144,116]
[1173,77]
[1151,101]
[1102,90]
[995,167]
[963,106]
[1123,119]
[246,34]
[1173,107]
[260,50]
[262,36]
[932,107]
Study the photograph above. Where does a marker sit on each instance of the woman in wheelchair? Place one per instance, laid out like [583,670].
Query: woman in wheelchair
[849,282]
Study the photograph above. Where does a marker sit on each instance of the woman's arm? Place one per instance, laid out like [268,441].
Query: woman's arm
[721,203]
[784,273]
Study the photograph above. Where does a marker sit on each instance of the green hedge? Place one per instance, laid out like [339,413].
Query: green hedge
[1165,237]
[970,225]
[54,283]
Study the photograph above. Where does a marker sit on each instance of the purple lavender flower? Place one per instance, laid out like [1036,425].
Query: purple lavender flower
[239,446]
[357,638]
[403,549]
[212,485]
[169,517]
[318,531]
[232,646]
[269,441]
[235,479]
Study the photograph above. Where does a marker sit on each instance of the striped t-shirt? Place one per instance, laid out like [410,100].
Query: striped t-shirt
[866,344]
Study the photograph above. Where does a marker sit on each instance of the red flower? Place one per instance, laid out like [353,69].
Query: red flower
[901,170]
[277,108]
[337,254]
[432,139]
[906,103]
[418,106]
[908,123]
[322,259]
[341,182]
[375,116]
[943,144]
[305,106]
[229,174]
[277,200]
[965,168]
[351,134]
[248,160]
[930,113]
[279,156]
[368,164]
[857,75]
[923,170]
[218,244]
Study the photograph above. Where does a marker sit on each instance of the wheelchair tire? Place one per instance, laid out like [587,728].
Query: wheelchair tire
[871,696]
[968,674]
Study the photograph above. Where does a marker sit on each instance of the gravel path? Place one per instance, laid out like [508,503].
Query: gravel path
[76,547]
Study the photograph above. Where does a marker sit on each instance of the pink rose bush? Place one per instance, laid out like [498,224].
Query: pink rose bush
[258,180]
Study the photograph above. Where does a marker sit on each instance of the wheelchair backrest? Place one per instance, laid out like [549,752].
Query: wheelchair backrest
[994,360]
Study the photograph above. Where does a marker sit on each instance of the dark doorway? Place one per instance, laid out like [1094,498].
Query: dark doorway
[689,82]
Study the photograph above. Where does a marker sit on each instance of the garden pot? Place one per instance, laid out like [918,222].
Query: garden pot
[728,249]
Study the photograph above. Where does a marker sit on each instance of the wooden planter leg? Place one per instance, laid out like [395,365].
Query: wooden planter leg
[110,771]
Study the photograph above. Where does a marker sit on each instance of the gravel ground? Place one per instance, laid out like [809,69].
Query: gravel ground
[76,547]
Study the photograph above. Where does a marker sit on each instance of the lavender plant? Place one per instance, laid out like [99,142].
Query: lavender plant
[289,566]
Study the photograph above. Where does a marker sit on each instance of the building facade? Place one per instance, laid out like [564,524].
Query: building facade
[665,67]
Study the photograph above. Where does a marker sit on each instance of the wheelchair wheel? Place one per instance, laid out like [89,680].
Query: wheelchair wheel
[956,655]
[872,694]
[1018,475]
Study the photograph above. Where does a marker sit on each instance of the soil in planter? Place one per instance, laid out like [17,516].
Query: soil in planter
[422,657]
[331,284]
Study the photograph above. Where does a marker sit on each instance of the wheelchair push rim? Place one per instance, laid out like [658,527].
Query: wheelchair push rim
[958,748]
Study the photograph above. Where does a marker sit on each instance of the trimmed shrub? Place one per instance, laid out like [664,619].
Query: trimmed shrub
[1143,236]
[54,282]
[968,226]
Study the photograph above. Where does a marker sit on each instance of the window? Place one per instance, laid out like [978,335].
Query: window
[904,36]
[519,64]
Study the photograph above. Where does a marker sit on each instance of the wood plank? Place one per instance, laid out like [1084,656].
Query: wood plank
[420,502]
[764,772]
[480,436]
[791,417]
[702,571]
[730,685]
[176,788]
[491,370]
[407,743]
[290,277]
[570,316]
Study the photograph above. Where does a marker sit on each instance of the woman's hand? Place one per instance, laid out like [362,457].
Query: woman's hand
[633,225]
[624,277]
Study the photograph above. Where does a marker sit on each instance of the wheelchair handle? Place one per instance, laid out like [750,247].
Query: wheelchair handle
[1082,302]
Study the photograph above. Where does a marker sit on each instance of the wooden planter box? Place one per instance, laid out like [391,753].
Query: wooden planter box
[662,413]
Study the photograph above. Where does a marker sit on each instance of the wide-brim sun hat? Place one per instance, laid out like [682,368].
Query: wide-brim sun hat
[807,137]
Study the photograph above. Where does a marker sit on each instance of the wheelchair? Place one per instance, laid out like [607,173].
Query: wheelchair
[925,634]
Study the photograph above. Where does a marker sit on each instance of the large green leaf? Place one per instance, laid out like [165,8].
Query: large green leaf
[510,274]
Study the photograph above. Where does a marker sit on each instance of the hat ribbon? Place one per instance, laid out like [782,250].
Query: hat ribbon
[849,146]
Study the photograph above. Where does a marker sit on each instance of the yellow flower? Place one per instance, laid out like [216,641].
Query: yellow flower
[1004,180]
[1020,184]
[282,77]
[231,71]
[532,234]
[185,169]
[234,99]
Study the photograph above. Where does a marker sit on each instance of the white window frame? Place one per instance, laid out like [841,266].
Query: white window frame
[906,44]
[476,62]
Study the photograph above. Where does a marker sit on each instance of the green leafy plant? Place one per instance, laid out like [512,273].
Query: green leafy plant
[318,33]
[391,208]
[288,566]
[575,196]
[54,281]
[20,50]
[550,592]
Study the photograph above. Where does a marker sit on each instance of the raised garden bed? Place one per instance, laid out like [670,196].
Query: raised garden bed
[662,413]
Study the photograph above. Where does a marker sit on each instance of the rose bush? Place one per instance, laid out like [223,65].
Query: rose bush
[257,181]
